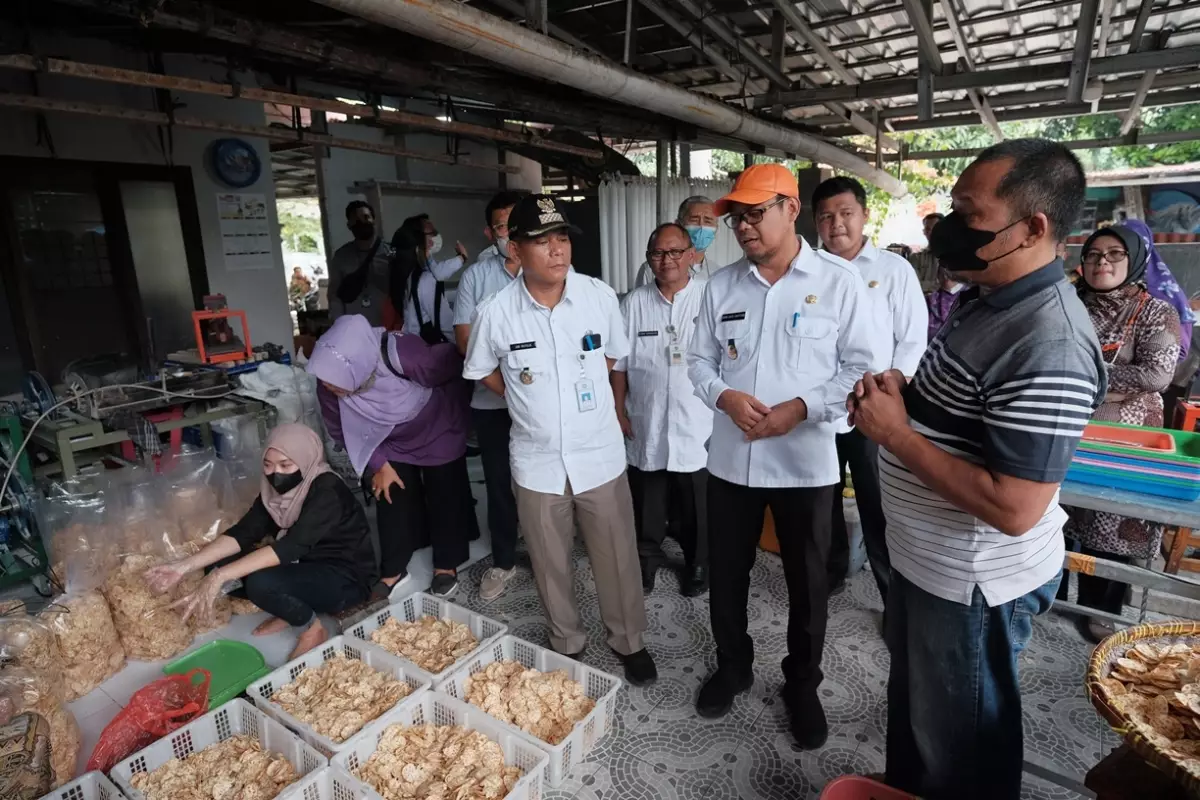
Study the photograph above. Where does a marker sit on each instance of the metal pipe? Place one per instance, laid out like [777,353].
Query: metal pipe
[485,36]
[129,77]
[34,103]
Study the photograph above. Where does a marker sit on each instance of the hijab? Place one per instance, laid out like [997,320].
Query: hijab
[304,449]
[1161,284]
[350,357]
[1138,251]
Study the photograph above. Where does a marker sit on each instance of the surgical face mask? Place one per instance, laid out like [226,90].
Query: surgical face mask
[701,236]
[284,482]
[363,231]
[435,244]
[956,244]
[502,246]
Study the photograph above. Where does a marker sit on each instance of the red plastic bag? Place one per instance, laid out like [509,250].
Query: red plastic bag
[154,711]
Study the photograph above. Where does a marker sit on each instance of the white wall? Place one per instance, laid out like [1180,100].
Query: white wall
[262,294]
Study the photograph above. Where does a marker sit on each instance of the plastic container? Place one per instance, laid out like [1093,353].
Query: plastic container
[88,786]
[1129,437]
[852,787]
[261,691]
[233,666]
[331,783]
[438,709]
[600,686]
[418,605]
[1135,482]
[1154,469]
[233,718]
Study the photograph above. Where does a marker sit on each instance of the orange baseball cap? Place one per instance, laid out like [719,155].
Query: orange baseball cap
[758,184]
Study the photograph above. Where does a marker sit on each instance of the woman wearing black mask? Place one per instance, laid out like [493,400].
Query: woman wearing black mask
[318,557]
[1139,336]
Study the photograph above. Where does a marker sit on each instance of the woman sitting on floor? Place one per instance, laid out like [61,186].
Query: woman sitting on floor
[321,559]
[1139,336]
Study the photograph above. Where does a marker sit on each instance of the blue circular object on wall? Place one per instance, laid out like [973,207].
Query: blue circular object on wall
[235,163]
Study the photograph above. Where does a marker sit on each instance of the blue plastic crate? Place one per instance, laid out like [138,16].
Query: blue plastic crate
[1180,490]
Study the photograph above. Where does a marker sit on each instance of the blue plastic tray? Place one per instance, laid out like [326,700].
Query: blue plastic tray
[1182,472]
[1189,491]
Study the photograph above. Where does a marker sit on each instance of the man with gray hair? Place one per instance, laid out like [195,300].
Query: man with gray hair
[697,218]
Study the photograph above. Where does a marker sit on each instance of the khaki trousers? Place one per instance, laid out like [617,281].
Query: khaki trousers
[605,518]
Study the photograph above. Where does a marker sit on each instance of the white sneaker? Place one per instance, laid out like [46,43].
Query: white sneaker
[494,581]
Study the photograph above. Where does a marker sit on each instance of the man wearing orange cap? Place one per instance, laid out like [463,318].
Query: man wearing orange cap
[781,337]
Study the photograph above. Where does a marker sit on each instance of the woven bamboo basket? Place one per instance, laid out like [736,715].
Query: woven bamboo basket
[1101,664]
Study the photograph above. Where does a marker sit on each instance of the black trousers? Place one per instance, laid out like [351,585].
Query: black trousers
[1102,594]
[492,427]
[434,507]
[863,457]
[296,593]
[802,524]
[680,496]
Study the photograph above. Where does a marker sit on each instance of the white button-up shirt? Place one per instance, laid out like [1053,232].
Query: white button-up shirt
[484,278]
[426,291]
[670,423]
[806,336]
[553,441]
[895,309]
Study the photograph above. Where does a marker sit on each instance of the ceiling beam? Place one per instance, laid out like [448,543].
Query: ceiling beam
[735,42]
[1139,26]
[1133,115]
[1173,137]
[714,57]
[926,42]
[523,11]
[1015,76]
[1081,59]
[1106,12]
[976,96]
[822,51]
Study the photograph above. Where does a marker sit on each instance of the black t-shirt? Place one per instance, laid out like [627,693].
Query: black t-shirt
[331,529]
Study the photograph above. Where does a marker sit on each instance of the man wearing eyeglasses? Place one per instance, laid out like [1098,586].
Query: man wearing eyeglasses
[664,422]
[781,336]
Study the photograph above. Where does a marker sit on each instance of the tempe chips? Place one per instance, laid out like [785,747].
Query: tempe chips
[545,704]
[438,762]
[235,769]
[337,698]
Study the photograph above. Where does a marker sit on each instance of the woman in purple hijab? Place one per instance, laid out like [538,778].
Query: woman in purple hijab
[400,408]
[1161,284]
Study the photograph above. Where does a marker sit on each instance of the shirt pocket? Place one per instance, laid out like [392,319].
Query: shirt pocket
[531,363]
[812,344]
[732,336]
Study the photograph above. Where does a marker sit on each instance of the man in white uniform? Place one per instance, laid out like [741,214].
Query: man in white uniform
[899,320]
[781,337]
[546,342]
[489,412]
[697,218]
[665,424]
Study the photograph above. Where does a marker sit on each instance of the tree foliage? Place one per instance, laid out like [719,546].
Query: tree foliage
[299,233]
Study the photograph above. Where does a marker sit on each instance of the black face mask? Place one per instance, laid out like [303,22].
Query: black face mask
[956,245]
[284,482]
[363,231]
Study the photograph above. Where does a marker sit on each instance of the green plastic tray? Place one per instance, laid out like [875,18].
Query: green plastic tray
[1187,446]
[233,666]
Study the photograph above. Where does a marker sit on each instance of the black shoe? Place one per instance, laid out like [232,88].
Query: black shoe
[649,569]
[694,581]
[639,668]
[575,656]
[836,585]
[443,585]
[806,719]
[717,693]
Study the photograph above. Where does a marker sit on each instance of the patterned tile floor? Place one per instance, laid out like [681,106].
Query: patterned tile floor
[660,749]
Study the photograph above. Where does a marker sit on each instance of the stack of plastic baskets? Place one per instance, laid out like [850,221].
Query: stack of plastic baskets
[600,686]
[1153,461]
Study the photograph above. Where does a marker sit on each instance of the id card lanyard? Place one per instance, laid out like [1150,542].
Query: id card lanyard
[674,348]
[585,389]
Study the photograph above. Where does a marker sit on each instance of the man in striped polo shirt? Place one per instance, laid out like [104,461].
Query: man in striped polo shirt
[972,453]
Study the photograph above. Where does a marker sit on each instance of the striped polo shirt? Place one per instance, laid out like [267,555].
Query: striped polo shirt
[1009,383]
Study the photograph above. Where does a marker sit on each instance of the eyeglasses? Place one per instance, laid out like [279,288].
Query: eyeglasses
[659,255]
[1114,256]
[753,216]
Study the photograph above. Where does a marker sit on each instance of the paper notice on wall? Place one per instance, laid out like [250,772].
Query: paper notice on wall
[245,231]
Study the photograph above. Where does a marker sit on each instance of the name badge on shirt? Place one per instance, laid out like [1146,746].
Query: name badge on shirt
[647,333]
[585,394]
[733,316]
[675,355]
[515,346]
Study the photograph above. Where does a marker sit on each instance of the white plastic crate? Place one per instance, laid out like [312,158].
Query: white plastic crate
[600,686]
[261,691]
[331,783]
[439,709]
[234,718]
[418,605]
[88,786]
